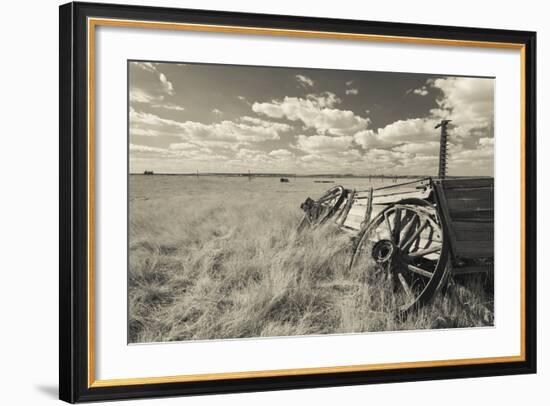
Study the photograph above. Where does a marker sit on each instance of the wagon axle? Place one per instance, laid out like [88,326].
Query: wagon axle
[384,251]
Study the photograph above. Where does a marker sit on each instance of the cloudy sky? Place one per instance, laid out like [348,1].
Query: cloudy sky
[225,118]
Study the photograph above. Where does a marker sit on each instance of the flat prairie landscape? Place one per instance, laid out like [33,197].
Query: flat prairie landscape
[219,257]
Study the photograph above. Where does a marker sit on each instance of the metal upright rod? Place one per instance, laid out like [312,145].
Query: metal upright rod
[442,173]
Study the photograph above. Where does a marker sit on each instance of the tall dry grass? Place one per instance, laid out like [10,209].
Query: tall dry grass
[220,258]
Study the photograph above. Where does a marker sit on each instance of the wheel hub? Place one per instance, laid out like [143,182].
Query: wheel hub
[384,251]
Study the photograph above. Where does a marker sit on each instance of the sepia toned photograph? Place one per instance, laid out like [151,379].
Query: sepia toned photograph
[275,201]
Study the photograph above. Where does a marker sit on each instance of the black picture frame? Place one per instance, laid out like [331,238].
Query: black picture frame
[74,385]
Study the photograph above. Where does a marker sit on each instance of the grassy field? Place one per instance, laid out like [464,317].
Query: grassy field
[219,257]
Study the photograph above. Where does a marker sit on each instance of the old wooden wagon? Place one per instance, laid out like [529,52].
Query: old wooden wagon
[415,233]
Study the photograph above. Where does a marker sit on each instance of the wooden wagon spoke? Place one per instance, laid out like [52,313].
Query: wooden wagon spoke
[417,244]
[419,271]
[329,195]
[330,198]
[321,210]
[426,251]
[420,261]
[378,236]
[408,228]
[416,234]
[396,225]
[406,286]
[387,221]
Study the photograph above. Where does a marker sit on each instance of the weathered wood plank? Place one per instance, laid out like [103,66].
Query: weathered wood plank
[465,270]
[418,194]
[473,216]
[466,183]
[466,204]
[482,193]
[353,218]
[474,249]
[445,215]
[352,225]
[349,230]
[362,195]
[467,231]
[396,192]
[349,202]
[368,212]
[357,210]
[375,211]
[420,181]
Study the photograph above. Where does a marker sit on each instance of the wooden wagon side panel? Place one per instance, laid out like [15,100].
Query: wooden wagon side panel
[367,204]
[359,210]
[468,209]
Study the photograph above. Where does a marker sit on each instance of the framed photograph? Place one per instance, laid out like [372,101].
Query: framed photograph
[258,202]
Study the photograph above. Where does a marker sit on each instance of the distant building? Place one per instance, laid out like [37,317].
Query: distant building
[148,173]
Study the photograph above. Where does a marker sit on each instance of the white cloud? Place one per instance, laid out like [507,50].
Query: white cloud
[486,142]
[239,130]
[217,112]
[146,66]
[323,143]
[230,130]
[384,159]
[422,91]
[147,132]
[243,99]
[281,153]
[142,118]
[414,143]
[349,82]
[412,130]
[324,99]
[469,102]
[168,106]
[419,148]
[369,139]
[189,151]
[166,84]
[141,96]
[415,130]
[220,145]
[183,146]
[315,111]
[247,156]
[337,140]
[145,148]
[482,155]
[216,148]
[304,81]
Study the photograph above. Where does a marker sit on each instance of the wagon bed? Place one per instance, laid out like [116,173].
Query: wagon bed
[426,228]
[466,206]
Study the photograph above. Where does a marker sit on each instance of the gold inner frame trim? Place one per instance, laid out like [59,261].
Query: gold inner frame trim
[94,22]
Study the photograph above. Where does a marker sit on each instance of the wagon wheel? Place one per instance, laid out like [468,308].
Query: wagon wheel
[406,245]
[320,210]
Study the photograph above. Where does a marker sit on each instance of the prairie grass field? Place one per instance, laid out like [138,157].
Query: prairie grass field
[219,257]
